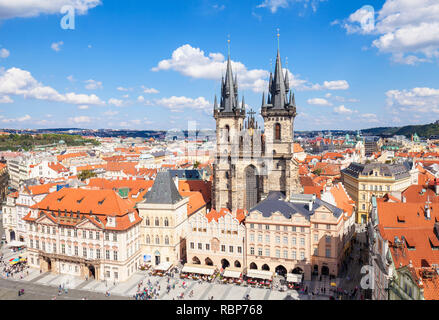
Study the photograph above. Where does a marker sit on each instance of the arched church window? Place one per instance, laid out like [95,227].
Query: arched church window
[166,222]
[227,133]
[277,131]
[157,223]
[147,221]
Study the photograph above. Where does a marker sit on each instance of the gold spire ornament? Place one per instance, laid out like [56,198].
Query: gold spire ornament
[278,40]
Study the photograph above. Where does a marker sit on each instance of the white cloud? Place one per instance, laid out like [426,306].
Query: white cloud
[80,119]
[83,107]
[6,99]
[319,102]
[93,84]
[415,101]
[4,53]
[331,85]
[193,62]
[179,104]
[116,102]
[218,7]
[111,113]
[149,90]
[407,29]
[140,98]
[369,117]
[71,78]
[274,5]
[32,8]
[15,81]
[124,89]
[343,110]
[56,46]
[20,119]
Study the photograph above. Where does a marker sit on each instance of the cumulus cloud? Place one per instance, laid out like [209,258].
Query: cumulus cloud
[415,101]
[179,104]
[56,46]
[274,5]
[80,119]
[6,99]
[116,102]
[149,90]
[93,84]
[4,53]
[15,81]
[194,63]
[124,89]
[32,8]
[20,119]
[343,110]
[369,117]
[71,78]
[83,107]
[111,113]
[319,102]
[405,29]
[330,85]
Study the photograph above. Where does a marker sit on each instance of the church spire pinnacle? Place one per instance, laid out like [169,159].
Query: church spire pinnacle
[229,87]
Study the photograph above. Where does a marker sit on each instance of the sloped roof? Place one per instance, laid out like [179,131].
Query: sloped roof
[163,191]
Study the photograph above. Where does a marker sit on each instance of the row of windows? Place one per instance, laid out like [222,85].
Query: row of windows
[157,222]
[222,231]
[375,188]
[277,227]
[285,253]
[278,253]
[86,252]
[73,232]
[223,247]
[157,240]
[277,238]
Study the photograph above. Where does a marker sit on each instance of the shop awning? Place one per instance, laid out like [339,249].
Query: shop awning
[164,266]
[293,277]
[199,269]
[16,243]
[232,273]
[260,274]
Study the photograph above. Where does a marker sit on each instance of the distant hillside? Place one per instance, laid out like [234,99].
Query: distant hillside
[425,130]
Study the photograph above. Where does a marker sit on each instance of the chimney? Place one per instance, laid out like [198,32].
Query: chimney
[311,202]
[427,212]
[176,181]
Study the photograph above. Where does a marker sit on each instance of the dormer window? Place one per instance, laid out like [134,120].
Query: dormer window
[101,202]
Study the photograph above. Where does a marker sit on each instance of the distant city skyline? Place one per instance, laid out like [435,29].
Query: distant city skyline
[155,66]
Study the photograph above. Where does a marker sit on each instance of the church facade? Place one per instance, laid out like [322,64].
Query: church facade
[251,162]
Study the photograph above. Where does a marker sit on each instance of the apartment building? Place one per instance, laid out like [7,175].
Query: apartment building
[217,239]
[86,233]
[302,235]
[362,181]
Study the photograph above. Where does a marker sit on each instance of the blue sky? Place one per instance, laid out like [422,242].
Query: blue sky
[157,64]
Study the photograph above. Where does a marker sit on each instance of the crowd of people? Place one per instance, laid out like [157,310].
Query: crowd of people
[17,270]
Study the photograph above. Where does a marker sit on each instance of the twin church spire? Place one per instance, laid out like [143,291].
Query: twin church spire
[278,89]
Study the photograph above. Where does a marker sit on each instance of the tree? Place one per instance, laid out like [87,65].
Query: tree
[317,172]
[196,164]
[86,174]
